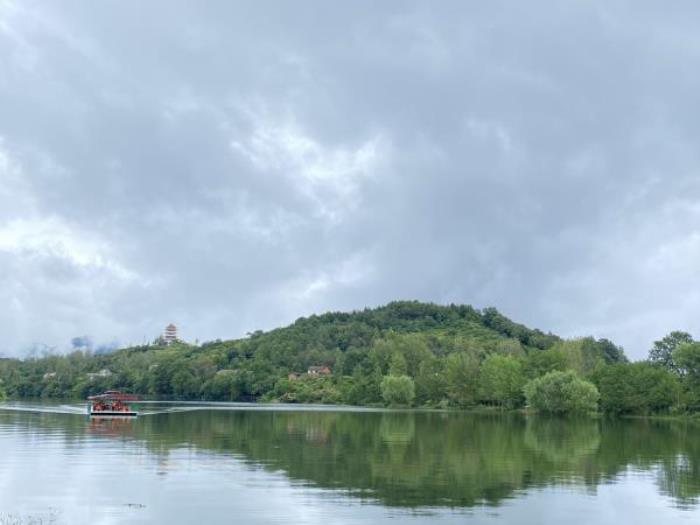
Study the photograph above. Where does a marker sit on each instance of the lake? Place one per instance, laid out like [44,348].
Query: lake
[213,463]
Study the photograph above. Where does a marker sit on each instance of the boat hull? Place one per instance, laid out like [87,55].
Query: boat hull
[112,413]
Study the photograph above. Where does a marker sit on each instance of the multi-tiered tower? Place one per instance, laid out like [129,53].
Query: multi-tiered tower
[170,334]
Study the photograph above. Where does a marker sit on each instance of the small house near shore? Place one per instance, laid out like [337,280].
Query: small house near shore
[322,370]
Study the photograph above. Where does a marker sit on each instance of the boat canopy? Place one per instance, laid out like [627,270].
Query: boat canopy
[114,395]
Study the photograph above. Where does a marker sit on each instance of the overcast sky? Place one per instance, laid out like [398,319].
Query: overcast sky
[232,166]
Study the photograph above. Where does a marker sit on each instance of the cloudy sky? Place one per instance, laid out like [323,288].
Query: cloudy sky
[231,166]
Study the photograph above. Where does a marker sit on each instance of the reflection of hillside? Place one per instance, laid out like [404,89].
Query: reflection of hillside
[563,441]
[429,459]
[424,459]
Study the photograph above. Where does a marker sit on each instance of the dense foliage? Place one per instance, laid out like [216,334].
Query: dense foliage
[662,351]
[636,388]
[686,361]
[562,393]
[438,356]
[502,380]
[398,390]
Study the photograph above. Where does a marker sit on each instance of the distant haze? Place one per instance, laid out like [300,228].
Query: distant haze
[231,166]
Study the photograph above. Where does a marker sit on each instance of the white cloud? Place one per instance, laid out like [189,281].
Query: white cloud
[54,275]
[311,292]
[53,237]
[329,176]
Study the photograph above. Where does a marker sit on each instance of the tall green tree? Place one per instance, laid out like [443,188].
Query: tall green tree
[501,380]
[431,383]
[398,390]
[365,386]
[686,359]
[662,351]
[462,374]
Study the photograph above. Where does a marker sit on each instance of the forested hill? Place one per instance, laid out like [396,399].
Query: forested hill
[440,353]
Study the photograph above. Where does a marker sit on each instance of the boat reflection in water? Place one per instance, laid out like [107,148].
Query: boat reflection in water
[111,426]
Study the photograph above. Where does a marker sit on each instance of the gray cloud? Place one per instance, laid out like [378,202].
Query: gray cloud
[233,166]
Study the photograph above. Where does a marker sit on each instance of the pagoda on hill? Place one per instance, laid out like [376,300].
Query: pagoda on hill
[170,334]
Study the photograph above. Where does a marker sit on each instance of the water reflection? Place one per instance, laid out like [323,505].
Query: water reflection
[406,459]
[110,426]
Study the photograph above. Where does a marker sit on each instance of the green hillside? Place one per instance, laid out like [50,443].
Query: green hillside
[404,353]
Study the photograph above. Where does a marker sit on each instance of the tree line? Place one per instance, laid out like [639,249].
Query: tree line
[406,353]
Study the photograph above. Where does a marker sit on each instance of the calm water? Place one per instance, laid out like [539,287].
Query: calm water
[244,464]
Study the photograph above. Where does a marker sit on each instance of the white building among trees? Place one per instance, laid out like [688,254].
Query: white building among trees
[170,334]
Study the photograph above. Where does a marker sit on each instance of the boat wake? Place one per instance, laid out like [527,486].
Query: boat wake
[169,410]
[43,409]
[79,409]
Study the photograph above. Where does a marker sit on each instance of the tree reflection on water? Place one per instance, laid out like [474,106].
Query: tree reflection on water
[418,459]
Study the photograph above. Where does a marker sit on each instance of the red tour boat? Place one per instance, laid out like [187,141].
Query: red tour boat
[112,403]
